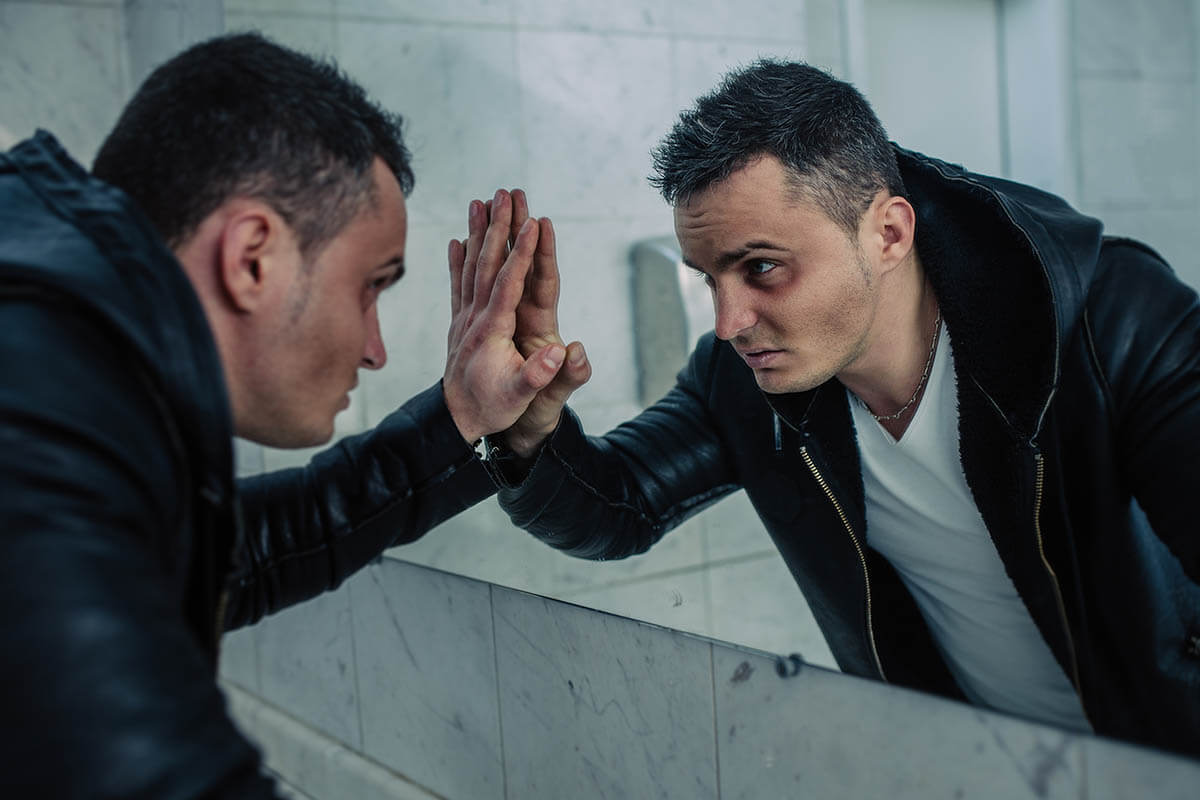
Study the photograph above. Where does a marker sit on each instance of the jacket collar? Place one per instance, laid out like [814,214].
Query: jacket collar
[137,287]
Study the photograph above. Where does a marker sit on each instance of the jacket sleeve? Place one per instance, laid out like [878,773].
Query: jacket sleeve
[104,690]
[616,495]
[306,530]
[1146,333]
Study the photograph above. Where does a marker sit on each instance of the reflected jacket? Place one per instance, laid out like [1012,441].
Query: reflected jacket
[128,546]
[1078,364]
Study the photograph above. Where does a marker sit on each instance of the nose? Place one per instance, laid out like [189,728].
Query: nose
[733,310]
[374,353]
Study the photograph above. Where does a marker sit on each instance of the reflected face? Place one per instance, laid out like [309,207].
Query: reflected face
[792,292]
[328,326]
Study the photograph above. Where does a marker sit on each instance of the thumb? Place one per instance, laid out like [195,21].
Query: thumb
[541,367]
[575,373]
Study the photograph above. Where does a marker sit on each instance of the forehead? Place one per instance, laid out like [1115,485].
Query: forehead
[758,201]
[377,232]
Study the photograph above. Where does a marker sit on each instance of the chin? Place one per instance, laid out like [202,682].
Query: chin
[291,437]
[773,382]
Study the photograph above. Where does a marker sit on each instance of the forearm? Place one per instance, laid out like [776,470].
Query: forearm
[615,496]
[306,530]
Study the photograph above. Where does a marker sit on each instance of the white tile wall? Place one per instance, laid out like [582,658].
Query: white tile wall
[426,661]
[598,706]
[468,12]
[774,20]
[586,139]
[61,68]
[314,35]
[306,665]
[756,602]
[1150,39]
[821,734]
[239,658]
[1137,143]
[629,16]
[483,544]
[677,600]
[458,91]
[701,64]
[1116,770]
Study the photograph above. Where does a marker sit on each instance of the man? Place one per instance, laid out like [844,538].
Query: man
[970,423]
[218,275]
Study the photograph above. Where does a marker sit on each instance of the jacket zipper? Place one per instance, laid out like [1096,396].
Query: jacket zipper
[1039,484]
[812,467]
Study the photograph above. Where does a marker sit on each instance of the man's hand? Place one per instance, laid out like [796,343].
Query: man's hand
[537,328]
[489,384]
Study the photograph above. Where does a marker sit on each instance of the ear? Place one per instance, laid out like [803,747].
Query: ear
[258,255]
[896,225]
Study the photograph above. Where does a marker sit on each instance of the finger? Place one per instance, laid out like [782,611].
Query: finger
[495,245]
[540,369]
[510,283]
[476,226]
[544,283]
[575,372]
[456,253]
[520,213]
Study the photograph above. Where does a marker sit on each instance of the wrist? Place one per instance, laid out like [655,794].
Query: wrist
[524,444]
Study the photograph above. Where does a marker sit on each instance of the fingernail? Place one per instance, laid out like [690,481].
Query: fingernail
[578,357]
[496,199]
[473,209]
[527,226]
[554,358]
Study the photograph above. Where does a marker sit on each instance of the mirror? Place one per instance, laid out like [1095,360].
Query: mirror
[569,109]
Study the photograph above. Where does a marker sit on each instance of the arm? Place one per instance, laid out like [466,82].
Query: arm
[309,529]
[614,496]
[1146,335]
[105,690]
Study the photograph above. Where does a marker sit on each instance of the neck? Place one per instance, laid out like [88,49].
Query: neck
[893,365]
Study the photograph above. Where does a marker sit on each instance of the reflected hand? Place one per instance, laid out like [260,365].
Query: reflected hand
[537,329]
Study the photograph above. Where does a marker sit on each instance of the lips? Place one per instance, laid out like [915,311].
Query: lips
[760,359]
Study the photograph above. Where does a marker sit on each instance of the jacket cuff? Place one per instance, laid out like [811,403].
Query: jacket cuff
[445,456]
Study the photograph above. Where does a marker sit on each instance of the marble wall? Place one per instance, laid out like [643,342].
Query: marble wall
[63,67]
[1135,68]
[470,690]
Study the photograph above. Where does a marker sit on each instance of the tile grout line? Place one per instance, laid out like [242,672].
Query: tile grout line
[712,672]
[499,698]
[358,697]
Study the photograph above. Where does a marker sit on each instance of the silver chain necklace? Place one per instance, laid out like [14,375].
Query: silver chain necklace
[937,326]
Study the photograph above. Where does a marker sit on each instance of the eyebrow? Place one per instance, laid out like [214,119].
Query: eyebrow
[730,257]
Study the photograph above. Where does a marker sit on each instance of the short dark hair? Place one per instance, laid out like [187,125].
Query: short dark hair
[822,129]
[241,115]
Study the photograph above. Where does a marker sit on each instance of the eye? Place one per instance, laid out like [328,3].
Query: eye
[760,267]
[704,276]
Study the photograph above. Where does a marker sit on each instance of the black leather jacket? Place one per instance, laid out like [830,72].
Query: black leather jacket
[1078,362]
[128,549]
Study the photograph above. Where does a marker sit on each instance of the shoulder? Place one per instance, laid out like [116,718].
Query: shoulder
[1134,285]
[78,406]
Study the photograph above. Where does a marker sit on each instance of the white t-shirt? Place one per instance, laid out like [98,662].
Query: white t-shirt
[922,518]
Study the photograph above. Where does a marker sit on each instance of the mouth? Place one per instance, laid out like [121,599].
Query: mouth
[760,359]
